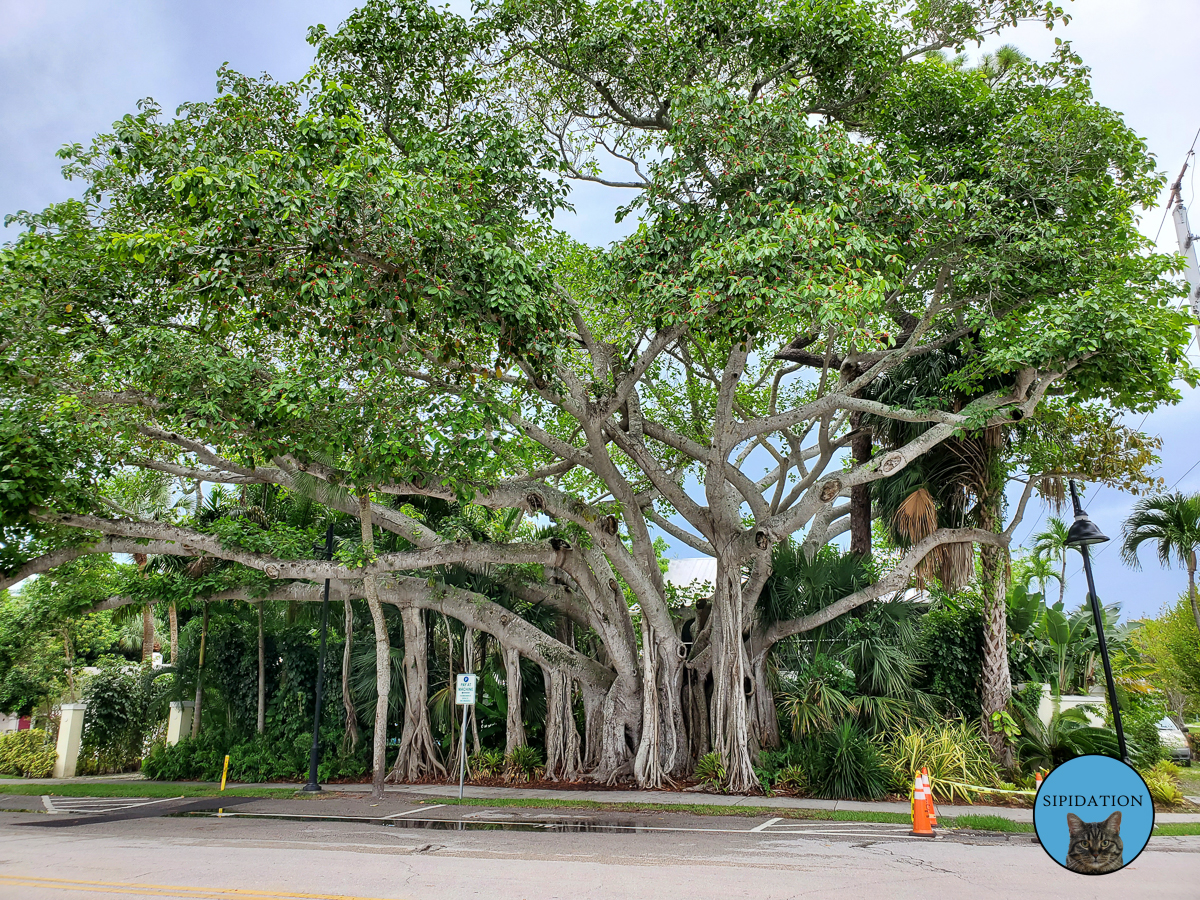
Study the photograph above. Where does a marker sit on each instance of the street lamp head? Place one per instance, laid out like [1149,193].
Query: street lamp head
[1084,531]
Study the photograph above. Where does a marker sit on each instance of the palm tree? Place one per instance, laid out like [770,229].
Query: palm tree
[1052,544]
[1174,521]
[1035,568]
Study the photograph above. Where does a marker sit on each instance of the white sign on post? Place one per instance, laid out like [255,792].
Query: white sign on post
[464,693]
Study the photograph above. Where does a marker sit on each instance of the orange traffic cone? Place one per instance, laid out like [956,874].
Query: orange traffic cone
[1037,780]
[920,813]
[929,807]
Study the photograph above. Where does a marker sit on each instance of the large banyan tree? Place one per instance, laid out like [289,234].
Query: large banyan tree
[352,287]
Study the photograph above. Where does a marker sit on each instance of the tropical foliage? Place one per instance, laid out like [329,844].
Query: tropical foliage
[29,753]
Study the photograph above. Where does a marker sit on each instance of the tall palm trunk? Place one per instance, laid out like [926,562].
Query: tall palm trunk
[262,672]
[200,675]
[147,634]
[997,682]
[1062,581]
[173,617]
[1191,567]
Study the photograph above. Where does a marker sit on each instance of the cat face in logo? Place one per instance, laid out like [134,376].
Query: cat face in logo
[1095,847]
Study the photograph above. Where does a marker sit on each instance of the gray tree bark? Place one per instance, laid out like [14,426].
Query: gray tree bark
[350,737]
[418,757]
[514,732]
[563,761]
[383,657]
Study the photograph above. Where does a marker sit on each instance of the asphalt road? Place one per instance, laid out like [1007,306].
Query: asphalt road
[351,849]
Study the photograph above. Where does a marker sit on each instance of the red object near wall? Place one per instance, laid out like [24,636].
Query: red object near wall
[23,723]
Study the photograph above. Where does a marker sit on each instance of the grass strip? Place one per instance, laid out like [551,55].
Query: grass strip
[695,809]
[1177,828]
[990,823]
[973,822]
[141,789]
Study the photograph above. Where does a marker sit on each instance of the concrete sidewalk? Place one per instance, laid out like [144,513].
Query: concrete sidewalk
[666,798]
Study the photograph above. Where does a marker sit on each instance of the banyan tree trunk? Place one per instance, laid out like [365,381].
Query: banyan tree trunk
[614,726]
[766,719]
[383,657]
[695,705]
[350,738]
[731,681]
[663,752]
[563,761]
[418,758]
[469,649]
[515,721]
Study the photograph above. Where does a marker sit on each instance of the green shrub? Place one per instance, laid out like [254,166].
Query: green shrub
[844,763]
[954,752]
[1163,781]
[952,657]
[27,753]
[1068,734]
[791,780]
[523,764]
[486,764]
[710,771]
[267,757]
[817,697]
[772,764]
[125,704]
[1139,720]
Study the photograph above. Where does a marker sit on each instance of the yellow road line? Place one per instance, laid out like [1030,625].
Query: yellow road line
[166,890]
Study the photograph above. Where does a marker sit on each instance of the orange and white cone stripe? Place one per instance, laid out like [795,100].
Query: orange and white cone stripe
[929,807]
[920,812]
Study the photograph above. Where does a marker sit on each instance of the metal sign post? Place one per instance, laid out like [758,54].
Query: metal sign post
[464,696]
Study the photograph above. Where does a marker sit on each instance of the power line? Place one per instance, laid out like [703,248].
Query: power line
[1186,474]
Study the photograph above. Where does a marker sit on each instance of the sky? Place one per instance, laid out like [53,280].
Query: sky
[69,68]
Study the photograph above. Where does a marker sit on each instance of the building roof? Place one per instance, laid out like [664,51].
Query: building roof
[682,572]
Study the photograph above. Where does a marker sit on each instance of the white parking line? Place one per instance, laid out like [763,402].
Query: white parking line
[418,809]
[765,825]
[99,804]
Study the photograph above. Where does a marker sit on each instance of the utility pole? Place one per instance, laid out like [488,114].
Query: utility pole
[1187,243]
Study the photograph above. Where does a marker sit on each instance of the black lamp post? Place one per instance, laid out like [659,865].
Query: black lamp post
[314,755]
[1083,533]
